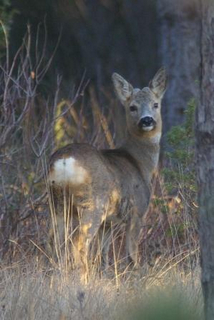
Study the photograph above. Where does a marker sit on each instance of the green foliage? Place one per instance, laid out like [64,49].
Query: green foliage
[165,306]
[161,203]
[180,174]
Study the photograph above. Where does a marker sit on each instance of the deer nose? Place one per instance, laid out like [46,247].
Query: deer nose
[146,122]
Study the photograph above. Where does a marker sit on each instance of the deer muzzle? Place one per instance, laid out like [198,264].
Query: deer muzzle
[146,123]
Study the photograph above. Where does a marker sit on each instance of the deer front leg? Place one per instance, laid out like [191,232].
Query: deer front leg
[104,240]
[132,240]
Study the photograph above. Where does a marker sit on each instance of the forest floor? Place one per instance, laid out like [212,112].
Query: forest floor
[28,291]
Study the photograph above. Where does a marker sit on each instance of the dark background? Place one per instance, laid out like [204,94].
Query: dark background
[96,37]
[131,37]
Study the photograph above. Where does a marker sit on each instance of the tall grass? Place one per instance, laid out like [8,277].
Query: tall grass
[32,293]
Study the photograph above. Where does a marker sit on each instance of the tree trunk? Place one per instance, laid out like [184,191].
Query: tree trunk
[179,52]
[205,156]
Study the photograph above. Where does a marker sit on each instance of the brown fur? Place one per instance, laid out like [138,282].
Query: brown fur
[117,183]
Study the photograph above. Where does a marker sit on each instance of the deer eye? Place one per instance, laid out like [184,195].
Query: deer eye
[155,105]
[133,108]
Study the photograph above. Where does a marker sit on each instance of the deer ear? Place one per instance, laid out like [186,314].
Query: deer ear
[122,87]
[158,84]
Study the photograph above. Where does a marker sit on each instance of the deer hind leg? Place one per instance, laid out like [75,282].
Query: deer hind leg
[89,225]
[59,227]
[132,239]
[55,237]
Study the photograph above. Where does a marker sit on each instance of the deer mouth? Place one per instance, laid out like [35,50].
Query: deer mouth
[148,128]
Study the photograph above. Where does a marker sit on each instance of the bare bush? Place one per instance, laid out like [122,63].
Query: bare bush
[26,137]
[31,124]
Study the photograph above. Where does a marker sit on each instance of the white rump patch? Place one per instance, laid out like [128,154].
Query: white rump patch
[68,171]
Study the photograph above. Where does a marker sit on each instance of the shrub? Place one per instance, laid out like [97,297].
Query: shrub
[180,175]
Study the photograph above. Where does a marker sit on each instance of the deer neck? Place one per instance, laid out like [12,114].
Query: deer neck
[145,150]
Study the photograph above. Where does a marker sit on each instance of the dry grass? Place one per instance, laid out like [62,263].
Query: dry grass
[33,293]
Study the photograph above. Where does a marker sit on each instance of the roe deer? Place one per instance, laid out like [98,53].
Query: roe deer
[112,185]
